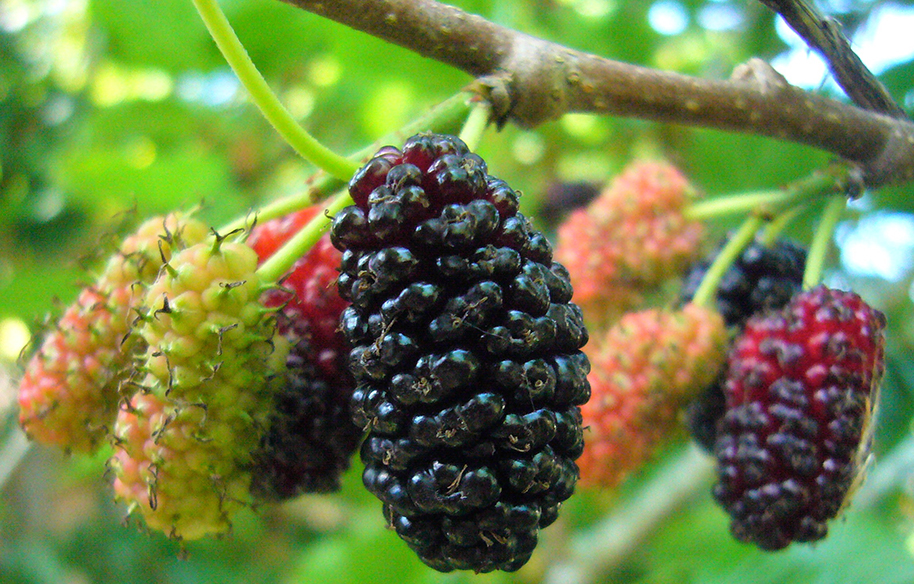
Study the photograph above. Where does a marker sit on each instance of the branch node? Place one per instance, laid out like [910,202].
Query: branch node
[760,74]
[497,90]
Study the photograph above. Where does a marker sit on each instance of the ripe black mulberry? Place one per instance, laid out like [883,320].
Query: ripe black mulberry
[465,355]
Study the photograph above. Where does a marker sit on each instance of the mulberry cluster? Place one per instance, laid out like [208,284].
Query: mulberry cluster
[465,356]
[800,391]
[207,383]
[311,437]
[763,277]
[69,393]
[632,237]
[645,369]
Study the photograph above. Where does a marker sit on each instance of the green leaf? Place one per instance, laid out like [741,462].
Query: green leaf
[137,171]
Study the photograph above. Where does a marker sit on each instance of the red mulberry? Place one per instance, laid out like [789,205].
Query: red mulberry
[800,392]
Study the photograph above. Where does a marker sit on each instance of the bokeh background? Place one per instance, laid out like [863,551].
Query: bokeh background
[112,111]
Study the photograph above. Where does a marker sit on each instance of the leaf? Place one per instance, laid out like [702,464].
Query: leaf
[111,177]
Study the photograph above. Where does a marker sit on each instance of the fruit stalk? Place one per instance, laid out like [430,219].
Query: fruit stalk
[818,249]
[476,124]
[704,296]
[237,57]
[445,115]
[776,226]
[772,202]
[282,261]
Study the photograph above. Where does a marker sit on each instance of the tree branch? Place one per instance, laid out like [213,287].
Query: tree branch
[530,81]
[825,36]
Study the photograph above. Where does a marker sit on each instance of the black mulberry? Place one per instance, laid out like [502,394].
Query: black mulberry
[465,355]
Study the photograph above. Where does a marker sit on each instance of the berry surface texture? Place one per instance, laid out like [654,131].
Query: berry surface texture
[645,369]
[800,391]
[465,354]
[207,382]
[69,394]
[763,277]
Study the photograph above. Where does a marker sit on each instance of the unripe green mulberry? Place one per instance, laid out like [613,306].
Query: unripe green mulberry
[68,396]
[170,470]
[211,364]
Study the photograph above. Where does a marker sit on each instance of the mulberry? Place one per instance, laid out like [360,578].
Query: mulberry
[763,277]
[629,239]
[800,391]
[645,369]
[184,441]
[69,393]
[311,438]
[465,356]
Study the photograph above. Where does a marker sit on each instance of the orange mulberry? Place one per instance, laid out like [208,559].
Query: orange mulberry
[629,239]
[644,370]
[69,393]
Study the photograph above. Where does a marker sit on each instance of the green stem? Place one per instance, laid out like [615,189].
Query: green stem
[818,184]
[595,554]
[741,203]
[768,203]
[445,116]
[476,124]
[238,59]
[14,449]
[707,290]
[286,256]
[818,249]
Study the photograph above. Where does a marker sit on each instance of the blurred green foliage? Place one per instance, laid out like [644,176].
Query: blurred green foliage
[119,110]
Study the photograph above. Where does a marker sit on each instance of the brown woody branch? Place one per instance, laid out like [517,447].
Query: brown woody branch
[530,81]
[825,36]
